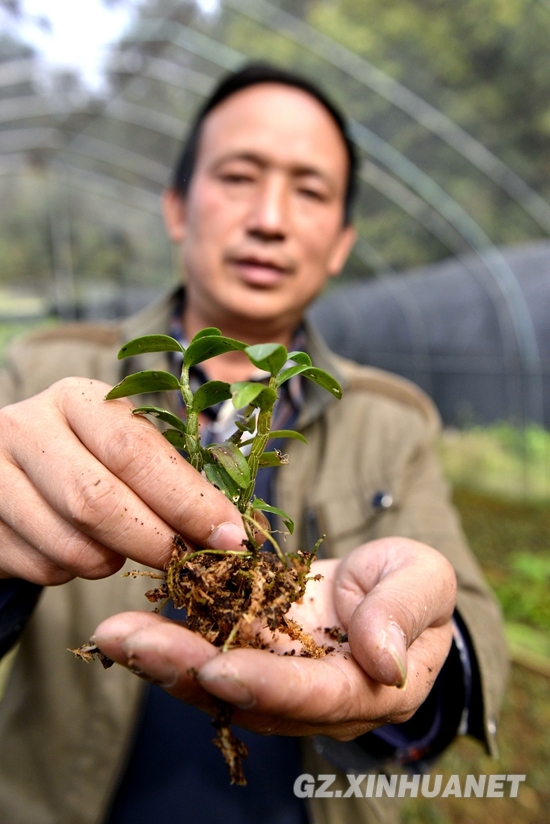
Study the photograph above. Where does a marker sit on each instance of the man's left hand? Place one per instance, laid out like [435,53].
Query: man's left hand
[394,597]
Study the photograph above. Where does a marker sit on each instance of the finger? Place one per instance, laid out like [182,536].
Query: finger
[18,559]
[388,592]
[273,694]
[159,650]
[91,498]
[133,449]
[191,669]
[289,695]
[81,497]
[39,545]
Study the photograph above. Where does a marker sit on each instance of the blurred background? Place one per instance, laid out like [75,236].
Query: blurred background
[448,284]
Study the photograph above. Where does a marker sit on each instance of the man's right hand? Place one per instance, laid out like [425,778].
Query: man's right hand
[84,485]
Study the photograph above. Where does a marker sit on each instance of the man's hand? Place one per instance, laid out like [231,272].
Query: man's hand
[394,597]
[84,485]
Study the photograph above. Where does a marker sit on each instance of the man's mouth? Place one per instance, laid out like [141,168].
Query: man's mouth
[261,271]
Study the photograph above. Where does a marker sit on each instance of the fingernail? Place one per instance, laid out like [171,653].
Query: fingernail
[397,647]
[227,536]
[157,670]
[228,688]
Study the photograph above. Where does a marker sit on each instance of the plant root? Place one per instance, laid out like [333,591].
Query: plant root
[231,599]
[87,652]
[232,749]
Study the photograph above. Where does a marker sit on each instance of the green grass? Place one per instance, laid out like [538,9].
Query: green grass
[512,541]
[499,459]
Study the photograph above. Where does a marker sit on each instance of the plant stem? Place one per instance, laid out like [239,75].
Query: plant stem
[268,537]
[258,446]
[192,423]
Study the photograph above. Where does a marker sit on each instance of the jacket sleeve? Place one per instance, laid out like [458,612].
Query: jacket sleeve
[423,511]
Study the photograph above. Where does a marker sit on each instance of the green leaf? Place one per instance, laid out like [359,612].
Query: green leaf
[244,392]
[275,458]
[209,394]
[208,331]
[161,414]
[176,438]
[257,503]
[252,392]
[290,372]
[313,373]
[271,357]
[319,376]
[287,433]
[150,343]
[209,346]
[148,381]
[300,357]
[217,476]
[279,433]
[233,461]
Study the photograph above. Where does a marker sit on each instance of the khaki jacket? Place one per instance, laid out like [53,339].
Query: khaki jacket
[66,728]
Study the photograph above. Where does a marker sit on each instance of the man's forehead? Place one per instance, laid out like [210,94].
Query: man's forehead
[274,120]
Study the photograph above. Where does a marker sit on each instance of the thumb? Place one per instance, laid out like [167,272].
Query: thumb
[387,593]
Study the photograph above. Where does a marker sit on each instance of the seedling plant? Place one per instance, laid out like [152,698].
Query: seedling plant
[231,598]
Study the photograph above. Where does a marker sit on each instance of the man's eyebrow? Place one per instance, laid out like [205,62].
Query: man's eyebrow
[298,170]
[250,157]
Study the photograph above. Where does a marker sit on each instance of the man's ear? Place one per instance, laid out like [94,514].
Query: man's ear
[174,214]
[342,248]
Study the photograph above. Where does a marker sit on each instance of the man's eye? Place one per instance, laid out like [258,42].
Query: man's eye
[234,177]
[311,194]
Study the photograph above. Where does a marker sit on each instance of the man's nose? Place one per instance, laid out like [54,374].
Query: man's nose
[268,217]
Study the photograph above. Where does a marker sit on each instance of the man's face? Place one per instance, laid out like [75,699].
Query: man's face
[261,227]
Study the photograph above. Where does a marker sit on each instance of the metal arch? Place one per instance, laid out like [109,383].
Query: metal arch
[90,147]
[188,39]
[166,71]
[135,115]
[412,205]
[119,156]
[23,108]
[403,98]
[119,109]
[481,244]
[372,258]
[14,139]
[16,164]
[417,209]
[148,202]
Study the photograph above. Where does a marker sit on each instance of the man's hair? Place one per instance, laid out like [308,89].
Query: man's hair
[251,75]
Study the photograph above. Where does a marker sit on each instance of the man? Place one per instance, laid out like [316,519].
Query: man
[260,211]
